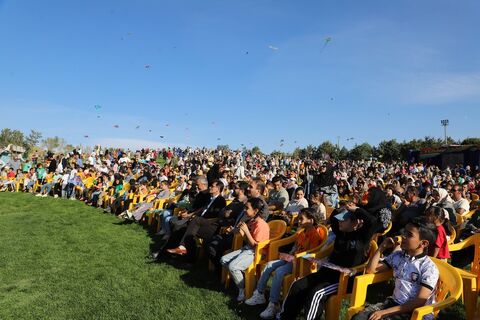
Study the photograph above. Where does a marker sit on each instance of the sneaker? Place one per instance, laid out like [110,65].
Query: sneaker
[55,196]
[38,195]
[270,312]
[241,295]
[45,195]
[255,299]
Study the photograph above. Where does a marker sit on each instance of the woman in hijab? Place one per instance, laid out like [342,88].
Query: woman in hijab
[377,206]
[440,198]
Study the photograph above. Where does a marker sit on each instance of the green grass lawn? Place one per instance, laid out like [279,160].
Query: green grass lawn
[61,259]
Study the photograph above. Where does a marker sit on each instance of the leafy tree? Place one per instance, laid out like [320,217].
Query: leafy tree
[389,150]
[54,143]
[32,139]
[327,148]
[256,150]
[223,147]
[9,136]
[343,153]
[361,152]
[471,141]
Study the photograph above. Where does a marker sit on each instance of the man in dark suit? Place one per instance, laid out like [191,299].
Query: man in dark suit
[202,224]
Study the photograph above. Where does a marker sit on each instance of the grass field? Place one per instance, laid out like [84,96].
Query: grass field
[61,259]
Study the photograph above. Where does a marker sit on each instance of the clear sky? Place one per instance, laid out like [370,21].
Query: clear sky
[240,71]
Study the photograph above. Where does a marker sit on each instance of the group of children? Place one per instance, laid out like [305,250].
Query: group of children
[414,272]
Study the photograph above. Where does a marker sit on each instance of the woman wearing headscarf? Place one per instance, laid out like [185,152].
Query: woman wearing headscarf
[440,198]
[377,206]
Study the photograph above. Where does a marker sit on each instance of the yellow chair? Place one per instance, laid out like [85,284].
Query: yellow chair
[332,311]
[449,283]
[277,230]
[381,234]
[468,215]
[274,251]
[453,235]
[471,279]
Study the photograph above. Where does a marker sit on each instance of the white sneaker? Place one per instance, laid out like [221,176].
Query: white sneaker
[270,312]
[38,195]
[45,195]
[255,299]
[241,295]
[72,198]
[55,196]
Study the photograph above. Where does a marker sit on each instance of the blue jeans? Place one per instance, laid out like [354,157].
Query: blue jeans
[281,268]
[47,186]
[165,217]
[237,262]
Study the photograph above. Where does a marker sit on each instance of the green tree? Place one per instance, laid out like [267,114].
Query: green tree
[327,148]
[223,147]
[9,136]
[343,153]
[32,139]
[471,141]
[54,144]
[389,150]
[256,150]
[361,152]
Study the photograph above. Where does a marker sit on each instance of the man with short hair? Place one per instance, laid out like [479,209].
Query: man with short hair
[278,198]
[461,204]
[202,226]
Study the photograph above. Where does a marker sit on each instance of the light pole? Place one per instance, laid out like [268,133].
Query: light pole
[445,124]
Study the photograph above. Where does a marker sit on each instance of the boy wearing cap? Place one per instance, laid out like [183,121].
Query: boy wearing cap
[353,228]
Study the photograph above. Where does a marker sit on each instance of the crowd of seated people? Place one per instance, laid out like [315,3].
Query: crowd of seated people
[228,204]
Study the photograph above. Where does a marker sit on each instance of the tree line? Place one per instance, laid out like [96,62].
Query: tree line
[387,150]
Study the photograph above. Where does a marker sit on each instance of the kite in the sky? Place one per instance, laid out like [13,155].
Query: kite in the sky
[167,125]
[137,127]
[147,66]
[273,48]
[281,144]
[213,123]
[116,126]
[218,139]
[161,137]
[85,136]
[282,140]
[98,117]
[327,41]
[150,130]
[97,107]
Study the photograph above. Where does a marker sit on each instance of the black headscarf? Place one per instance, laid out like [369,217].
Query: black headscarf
[376,200]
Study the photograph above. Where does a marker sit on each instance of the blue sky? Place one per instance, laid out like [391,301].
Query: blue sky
[393,69]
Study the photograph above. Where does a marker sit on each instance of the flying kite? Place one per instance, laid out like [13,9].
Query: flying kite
[150,130]
[98,117]
[85,136]
[282,140]
[137,127]
[295,141]
[273,48]
[327,41]
[97,107]
[116,126]
[147,66]
[218,139]
[167,125]
[161,137]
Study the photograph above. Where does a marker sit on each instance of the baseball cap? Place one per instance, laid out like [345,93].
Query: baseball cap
[344,215]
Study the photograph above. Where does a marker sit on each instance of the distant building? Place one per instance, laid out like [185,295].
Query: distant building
[448,156]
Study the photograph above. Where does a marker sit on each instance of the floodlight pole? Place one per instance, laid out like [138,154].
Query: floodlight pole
[445,124]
